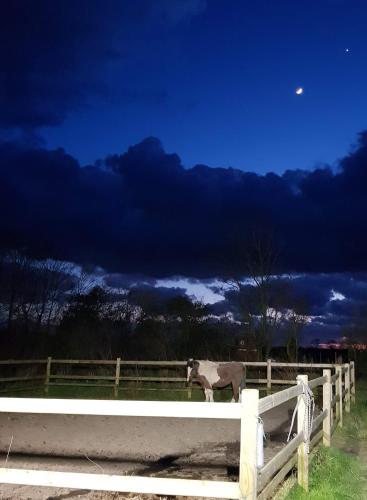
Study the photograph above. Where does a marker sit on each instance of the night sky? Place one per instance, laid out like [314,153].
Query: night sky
[149,138]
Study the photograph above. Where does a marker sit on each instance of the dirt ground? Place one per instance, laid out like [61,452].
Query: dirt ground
[189,448]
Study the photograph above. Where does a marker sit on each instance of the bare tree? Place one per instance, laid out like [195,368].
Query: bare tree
[32,291]
[296,319]
[85,281]
[256,268]
[53,280]
[13,281]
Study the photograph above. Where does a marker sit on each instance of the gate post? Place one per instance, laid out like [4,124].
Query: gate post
[248,444]
[302,468]
[326,405]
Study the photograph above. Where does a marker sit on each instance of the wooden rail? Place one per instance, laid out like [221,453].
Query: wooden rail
[253,483]
[119,379]
[335,402]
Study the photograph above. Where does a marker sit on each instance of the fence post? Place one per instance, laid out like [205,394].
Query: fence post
[117,378]
[248,444]
[337,394]
[353,381]
[302,468]
[48,372]
[347,388]
[326,405]
[331,406]
[268,375]
[340,369]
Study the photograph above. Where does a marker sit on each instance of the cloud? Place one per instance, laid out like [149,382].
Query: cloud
[47,51]
[126,281]
[153,300]
[141,212]
[142,217]
[327,317]
[54,54]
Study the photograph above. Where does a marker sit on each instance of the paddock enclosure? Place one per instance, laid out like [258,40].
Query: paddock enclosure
[197,438]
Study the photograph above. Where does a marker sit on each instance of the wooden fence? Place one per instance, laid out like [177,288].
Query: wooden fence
[121,373]
[338,391]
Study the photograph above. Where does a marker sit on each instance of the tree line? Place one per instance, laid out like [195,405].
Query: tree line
[46,308]
[50,308]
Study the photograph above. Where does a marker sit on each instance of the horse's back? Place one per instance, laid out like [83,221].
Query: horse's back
[231,369]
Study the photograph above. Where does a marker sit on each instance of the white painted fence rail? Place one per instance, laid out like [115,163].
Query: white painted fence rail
[135,484]
[172,409]
[252,484]
[132,484]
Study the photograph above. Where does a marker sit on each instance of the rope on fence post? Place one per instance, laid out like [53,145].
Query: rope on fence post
[302,468]
[326,405]
[309,405]
[248,444]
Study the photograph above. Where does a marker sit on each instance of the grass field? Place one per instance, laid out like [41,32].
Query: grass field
[340,472]
[146,392]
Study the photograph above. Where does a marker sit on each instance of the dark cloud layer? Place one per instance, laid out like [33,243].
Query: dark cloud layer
[53,53]
[142,213]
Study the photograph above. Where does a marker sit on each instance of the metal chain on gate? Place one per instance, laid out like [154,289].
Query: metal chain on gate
[309,401]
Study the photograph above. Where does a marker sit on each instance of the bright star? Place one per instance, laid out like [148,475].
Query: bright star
[299,91]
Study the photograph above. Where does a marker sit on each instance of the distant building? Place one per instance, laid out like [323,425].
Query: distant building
[245,349]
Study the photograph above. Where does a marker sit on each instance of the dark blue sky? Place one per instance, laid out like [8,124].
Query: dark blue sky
[216,80]
[160,93]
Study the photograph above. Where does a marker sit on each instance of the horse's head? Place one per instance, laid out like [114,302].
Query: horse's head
[192,369]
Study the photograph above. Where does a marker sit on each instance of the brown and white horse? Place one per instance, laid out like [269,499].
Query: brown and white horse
[210,375]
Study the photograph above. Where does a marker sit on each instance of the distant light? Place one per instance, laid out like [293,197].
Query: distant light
[346,50]
[299,91]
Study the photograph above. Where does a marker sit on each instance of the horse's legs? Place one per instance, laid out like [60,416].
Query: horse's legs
[206,395]
[209,395]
